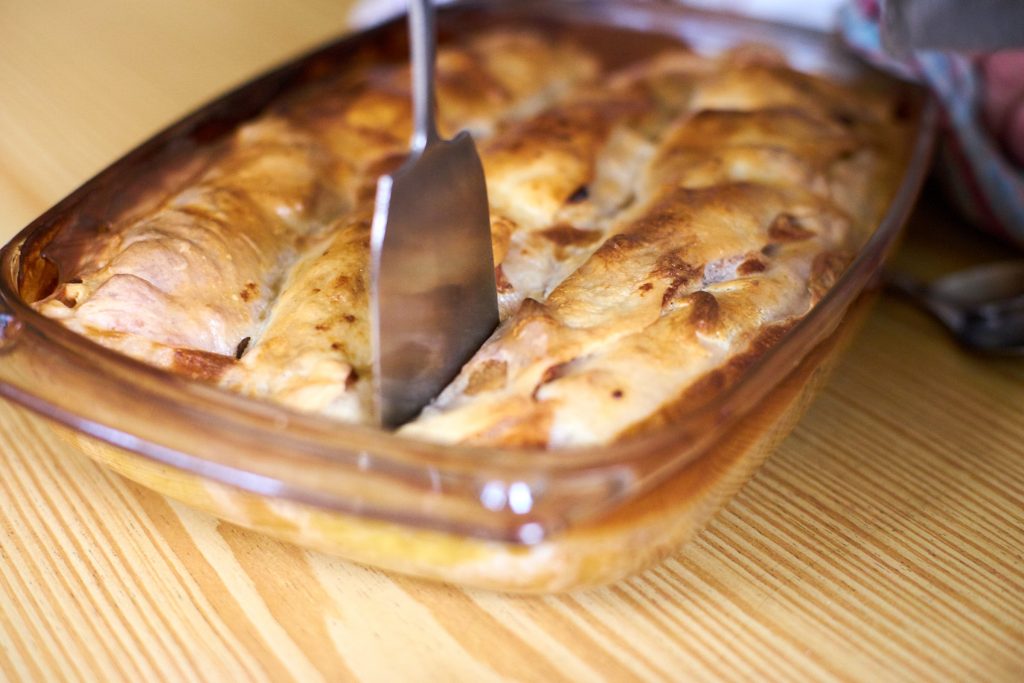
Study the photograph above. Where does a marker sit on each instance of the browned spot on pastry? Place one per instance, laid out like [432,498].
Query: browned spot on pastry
[322,327]
[617,247]
[556,126]
[769,337]
[531,437]
[462,75]
[750,266]
[65,298]
[672,266]
[242,346]
[352,378]
[825,271]
[336,346]
[528,428]
[565,235]
[617,394]
[707,386]
[316,290]
[359,283]
[670,292]
[646,287]
[488,376]
[349,318]
[665,217]
[554,372]
[787,228]
[198,364]
[713,383]
[501,280]
[703,310]
[550,375]
[249,291]
[677,271]
[531,308]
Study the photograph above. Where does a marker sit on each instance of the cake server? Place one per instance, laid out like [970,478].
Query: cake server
[433,298]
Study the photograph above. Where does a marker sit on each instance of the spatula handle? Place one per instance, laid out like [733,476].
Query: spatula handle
[423,43]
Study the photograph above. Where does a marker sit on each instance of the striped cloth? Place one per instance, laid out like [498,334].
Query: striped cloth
[982,181]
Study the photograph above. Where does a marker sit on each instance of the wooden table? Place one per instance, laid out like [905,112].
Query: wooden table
[884,540]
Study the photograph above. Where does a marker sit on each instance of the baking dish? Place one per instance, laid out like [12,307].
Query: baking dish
[502,519]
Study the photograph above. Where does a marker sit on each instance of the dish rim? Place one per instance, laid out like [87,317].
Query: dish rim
[606,474]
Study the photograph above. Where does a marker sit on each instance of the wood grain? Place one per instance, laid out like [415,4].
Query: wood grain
[884,540]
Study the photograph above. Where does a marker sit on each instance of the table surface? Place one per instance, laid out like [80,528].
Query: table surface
[884,540]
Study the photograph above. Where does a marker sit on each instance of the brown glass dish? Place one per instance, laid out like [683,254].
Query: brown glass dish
[507,519]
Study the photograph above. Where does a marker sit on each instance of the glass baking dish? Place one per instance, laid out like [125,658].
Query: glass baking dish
[515,520]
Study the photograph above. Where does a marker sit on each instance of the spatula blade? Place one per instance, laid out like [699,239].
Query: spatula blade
[433,298]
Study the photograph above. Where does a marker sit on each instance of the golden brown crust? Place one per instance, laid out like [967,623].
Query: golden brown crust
[201,270]
[316,343]
[313,353]
[201,365]
[605,349]
[738,227]
[567,175]
[709,386]
[656,229]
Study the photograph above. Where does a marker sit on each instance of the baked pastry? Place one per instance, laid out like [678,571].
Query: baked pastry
[656,227]
[187,286]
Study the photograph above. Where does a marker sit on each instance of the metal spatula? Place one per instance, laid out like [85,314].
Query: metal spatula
[433,299]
